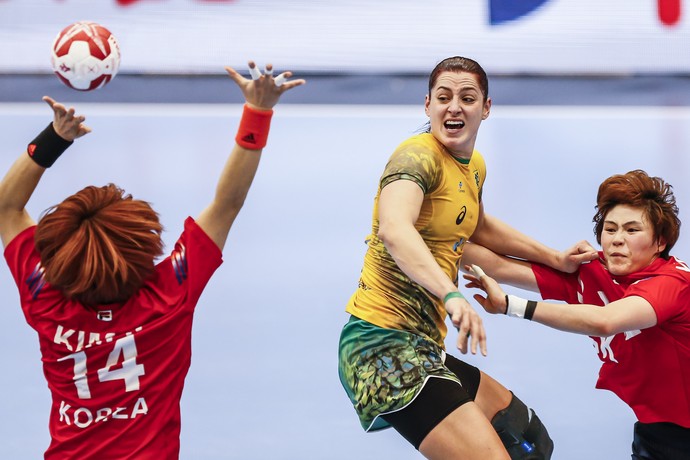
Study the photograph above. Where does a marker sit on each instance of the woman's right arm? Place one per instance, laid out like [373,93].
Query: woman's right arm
[15,190]
[261,95]
[399,205]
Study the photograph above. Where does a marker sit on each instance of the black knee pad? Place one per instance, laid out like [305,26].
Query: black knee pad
[522,433]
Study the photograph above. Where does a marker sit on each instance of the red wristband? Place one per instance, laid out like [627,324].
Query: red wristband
[254,125]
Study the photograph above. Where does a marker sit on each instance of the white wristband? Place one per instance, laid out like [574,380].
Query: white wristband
[519,307]
[516,306]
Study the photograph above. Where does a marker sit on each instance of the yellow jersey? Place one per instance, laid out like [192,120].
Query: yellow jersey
[386,296]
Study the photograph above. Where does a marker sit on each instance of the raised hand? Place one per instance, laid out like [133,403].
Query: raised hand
[66,124]
[264,90]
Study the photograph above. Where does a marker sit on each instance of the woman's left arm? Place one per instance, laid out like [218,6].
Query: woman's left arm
[503,239]
[626,314]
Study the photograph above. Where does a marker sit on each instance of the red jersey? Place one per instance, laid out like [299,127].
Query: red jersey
[648,369]
[116,372]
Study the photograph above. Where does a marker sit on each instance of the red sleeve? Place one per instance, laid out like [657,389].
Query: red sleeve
[555,285]
[188,268]
[203,257]
[18,250]
[668,295]
[24,262]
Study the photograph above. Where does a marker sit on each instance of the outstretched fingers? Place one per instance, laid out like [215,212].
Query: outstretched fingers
[66,123]
[235,75]
[58,109]
[287,85]
[263,90]
[253,71]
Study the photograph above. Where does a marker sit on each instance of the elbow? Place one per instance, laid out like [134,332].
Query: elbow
[236,206]
[602,326]
[233,205]
[384,233]
[388,233]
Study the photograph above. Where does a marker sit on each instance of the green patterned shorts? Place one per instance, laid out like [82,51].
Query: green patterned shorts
[382,370]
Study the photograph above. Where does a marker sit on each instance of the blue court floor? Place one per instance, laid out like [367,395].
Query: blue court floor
[263,382]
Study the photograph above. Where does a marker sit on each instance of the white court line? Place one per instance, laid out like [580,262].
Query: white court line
[347,110]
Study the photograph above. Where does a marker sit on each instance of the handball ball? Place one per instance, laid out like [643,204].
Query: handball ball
[85,56]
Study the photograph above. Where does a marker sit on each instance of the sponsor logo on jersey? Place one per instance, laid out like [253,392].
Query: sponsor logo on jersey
[105,315]
[461,216]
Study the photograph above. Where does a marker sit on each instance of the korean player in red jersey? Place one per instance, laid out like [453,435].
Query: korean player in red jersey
[114,326]
[634,302]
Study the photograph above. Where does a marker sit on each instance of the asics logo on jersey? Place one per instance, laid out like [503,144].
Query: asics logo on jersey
[461,216]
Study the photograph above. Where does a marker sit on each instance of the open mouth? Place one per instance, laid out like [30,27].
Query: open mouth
[454,124]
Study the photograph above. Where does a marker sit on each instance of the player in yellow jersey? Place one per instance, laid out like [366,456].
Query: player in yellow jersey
[392,361]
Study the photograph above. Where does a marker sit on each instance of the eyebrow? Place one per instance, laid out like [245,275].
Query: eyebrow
[464,88]
[632,222]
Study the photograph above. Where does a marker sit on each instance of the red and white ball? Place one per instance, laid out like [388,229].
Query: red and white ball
[85,56]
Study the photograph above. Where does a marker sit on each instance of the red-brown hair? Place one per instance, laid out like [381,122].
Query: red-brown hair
[99,245]
[639,190]
[460,64]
